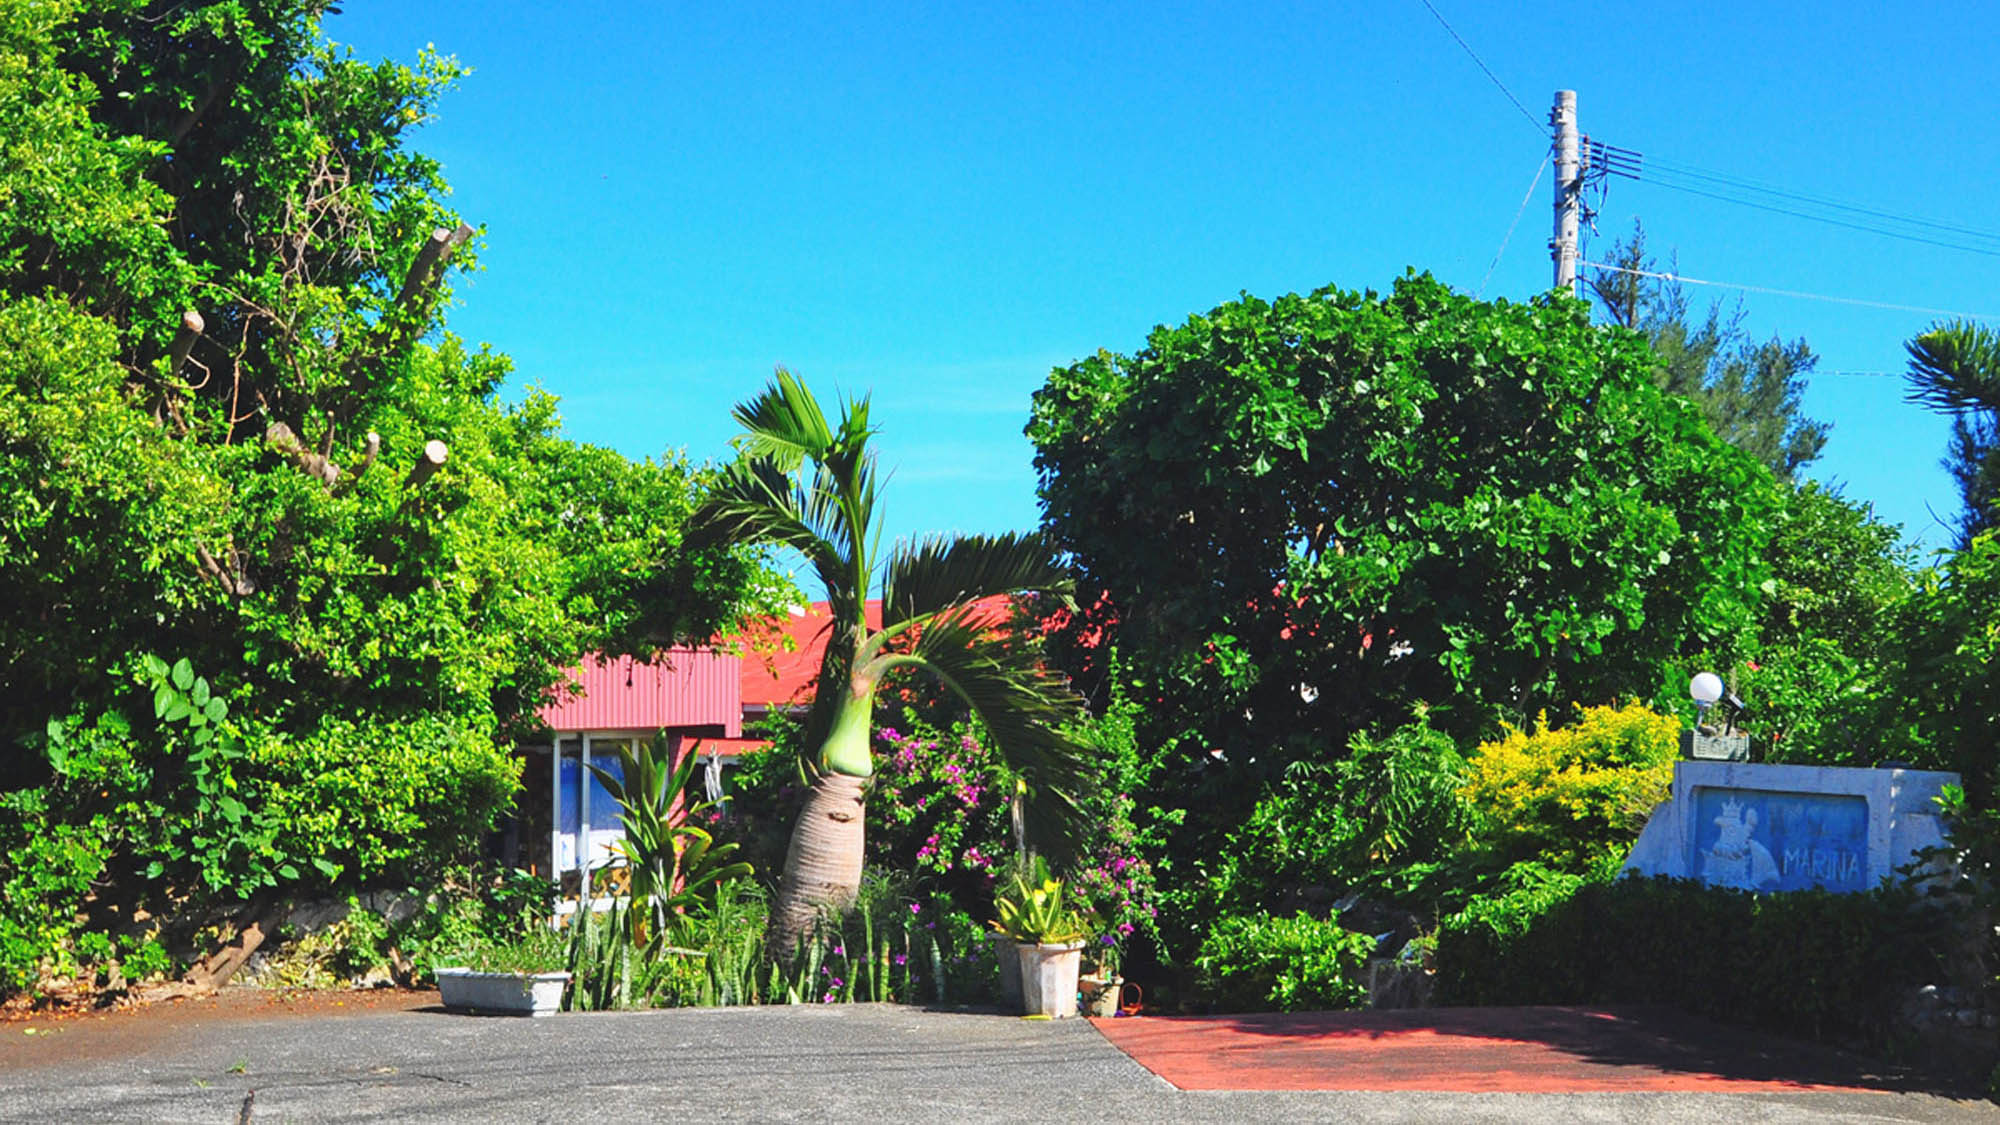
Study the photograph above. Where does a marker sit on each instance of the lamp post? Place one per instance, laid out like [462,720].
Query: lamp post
[1704,741]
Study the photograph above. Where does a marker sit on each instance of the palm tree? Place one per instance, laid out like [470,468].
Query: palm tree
[810,486]
[1955,368]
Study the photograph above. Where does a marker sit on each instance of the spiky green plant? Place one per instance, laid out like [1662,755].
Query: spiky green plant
[674,863]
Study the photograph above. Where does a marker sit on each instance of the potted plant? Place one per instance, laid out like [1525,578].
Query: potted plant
[1100,988]
[1048,932]
[522,977]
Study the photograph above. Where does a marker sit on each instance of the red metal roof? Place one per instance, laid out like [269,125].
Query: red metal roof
[690,688]
[780,677]
[776,674]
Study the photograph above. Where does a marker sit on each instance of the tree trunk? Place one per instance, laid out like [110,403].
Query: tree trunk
[823,866]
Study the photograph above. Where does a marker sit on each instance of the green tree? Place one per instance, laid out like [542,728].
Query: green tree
[235,438]
[1751,393]
[1839,579]
[1301,518]
[1955,368]
[932,623]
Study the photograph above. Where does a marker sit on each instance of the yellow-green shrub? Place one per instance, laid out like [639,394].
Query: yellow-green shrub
[1573,794]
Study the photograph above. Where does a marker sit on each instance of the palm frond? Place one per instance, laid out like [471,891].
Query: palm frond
[756,501]
[1023,706]
[784,423]
[938,572]
[1955,367]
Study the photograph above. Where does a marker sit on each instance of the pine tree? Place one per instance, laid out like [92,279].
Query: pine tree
[1750,393]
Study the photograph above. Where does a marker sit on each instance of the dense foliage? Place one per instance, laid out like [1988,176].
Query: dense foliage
[1308,515]
[1387,820]
[1839,579]
[222,272]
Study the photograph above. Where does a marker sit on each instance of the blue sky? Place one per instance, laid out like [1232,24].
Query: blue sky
[937,204]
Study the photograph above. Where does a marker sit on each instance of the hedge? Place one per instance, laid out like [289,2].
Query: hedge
[1804,963]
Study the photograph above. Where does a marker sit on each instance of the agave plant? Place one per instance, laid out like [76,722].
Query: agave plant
[674,864]
[1035,909]
[811,485]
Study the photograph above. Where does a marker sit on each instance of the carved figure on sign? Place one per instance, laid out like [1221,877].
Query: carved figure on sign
[1737,859]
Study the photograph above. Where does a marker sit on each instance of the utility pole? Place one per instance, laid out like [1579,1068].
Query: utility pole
[1569,192]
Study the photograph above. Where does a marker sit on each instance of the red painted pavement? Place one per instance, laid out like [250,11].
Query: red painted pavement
[1475,1050]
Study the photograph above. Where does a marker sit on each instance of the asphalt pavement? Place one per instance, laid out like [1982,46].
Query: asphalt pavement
[856,1063]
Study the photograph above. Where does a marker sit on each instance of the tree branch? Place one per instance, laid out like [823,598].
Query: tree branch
[434,455]
[425,270]
[281,438]
[231,578]
[372,447]
[192,327]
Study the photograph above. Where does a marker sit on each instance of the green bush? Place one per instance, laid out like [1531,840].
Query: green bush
[1258,962]
[1385,817]
[1806,963]
[1574,794]
[381,798]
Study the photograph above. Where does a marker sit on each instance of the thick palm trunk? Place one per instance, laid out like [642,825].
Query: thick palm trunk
[823,866]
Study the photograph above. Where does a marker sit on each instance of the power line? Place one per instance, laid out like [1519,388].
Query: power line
[1684,279]
[1518,212]
[1442,22]
[1674,168]
[1885,232]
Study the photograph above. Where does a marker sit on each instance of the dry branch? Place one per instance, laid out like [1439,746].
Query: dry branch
[254,925]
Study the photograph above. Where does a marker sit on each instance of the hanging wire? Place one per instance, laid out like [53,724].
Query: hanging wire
[1684,279]
[1518,212]
[1884,231]
[1675,168]
[1502,86]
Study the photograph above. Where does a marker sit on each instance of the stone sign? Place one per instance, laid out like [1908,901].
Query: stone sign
[1789,828]
[1763,840]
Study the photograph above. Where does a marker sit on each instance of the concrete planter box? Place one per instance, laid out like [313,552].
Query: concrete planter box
[501,994]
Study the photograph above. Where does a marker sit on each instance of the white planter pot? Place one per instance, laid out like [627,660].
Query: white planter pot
[501,994]
[1048,978]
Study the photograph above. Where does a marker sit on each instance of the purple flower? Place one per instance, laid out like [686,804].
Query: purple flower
[839,951]
[898,959]
[916,908]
